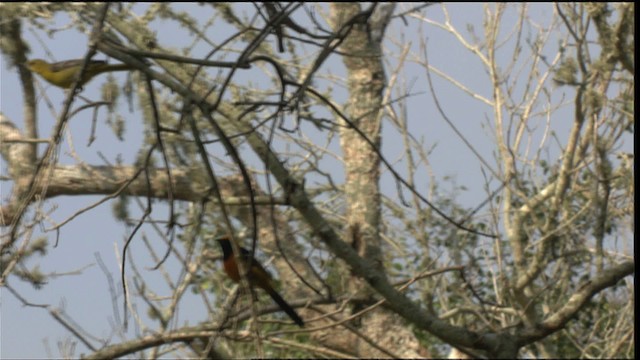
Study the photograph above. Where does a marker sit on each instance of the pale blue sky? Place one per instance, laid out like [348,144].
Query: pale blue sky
[27,332]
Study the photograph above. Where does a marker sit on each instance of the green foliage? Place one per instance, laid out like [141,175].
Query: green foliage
[120,207]
[33,275]
[566,73]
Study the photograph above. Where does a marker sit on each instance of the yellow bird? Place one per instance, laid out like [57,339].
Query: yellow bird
[62,74]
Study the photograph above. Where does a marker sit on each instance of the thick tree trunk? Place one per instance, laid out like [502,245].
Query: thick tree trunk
[366,81]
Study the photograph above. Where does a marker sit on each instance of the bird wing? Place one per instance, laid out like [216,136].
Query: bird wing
[62,65]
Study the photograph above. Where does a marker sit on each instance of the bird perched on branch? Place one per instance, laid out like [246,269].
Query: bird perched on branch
[63,74]
[256,275]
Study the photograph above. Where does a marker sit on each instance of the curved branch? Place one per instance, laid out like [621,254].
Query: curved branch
[559,319]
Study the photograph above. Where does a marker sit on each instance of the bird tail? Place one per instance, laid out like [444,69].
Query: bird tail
[285,307]
[114,67]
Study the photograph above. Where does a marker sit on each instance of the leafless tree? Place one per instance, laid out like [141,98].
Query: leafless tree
[256,137]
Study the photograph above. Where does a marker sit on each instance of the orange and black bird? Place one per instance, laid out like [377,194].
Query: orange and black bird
[256,275]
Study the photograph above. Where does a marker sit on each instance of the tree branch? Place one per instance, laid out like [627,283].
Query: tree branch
[558,320]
